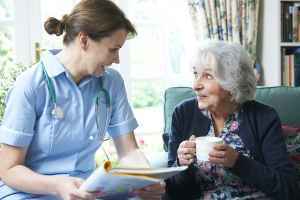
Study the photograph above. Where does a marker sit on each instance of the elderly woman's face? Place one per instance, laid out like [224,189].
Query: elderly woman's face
[210,94]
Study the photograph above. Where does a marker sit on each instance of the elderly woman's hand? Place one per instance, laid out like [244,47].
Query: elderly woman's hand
[223,154]
[186,151]
[151,192]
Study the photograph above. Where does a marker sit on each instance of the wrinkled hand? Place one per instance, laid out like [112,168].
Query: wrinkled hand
[67,188]
[151,192]
[224,155]
[186,151]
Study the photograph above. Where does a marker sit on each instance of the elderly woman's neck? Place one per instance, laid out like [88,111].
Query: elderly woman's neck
[219,116]
[222,112]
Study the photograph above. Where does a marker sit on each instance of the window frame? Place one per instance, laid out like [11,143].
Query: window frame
[27,20]
[26,13]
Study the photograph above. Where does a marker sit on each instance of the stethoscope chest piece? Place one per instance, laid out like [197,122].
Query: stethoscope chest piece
[57,112]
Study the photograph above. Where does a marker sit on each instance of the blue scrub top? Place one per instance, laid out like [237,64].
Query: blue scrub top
[62,146]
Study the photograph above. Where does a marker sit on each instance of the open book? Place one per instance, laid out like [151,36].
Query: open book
[123,180]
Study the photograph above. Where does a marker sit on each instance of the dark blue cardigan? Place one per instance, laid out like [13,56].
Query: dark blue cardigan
[260,130]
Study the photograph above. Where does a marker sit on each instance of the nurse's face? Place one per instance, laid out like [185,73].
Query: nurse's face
[103,53]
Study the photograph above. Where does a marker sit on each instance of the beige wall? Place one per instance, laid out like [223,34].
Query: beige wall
[269,41]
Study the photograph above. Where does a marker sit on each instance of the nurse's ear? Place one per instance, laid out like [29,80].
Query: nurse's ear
[83,40]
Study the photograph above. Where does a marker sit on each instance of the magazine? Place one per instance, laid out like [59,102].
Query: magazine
[111,181]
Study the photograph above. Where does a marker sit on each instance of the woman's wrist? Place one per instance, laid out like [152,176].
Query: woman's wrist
[53,187]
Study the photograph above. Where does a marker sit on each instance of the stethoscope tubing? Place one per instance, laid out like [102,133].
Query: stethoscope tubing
[50,85]
[57,112]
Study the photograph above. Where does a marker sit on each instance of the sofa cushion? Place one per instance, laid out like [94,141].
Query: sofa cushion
[173,96]
[285,100]
[293,147]
[288,130]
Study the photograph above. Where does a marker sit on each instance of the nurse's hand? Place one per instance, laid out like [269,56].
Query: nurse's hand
[67,188]
[151,192]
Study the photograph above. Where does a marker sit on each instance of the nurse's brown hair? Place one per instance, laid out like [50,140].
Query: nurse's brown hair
[96,18]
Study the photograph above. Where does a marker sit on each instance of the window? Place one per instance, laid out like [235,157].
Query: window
[151,62]
[157,58]
[6,48]
[6,10]
[6,33]
[48,10]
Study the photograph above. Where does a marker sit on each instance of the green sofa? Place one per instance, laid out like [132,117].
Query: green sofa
[286,101]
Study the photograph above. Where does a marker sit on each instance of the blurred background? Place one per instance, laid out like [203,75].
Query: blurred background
[151,62]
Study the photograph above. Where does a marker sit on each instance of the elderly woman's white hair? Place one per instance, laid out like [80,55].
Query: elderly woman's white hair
[232,66]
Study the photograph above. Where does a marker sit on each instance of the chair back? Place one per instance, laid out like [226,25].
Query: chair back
[173,96]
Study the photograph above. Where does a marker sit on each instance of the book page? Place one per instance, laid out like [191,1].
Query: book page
[121,180]
[161,173]
[111,184]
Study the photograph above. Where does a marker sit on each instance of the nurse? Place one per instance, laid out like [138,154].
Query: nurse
[58,111]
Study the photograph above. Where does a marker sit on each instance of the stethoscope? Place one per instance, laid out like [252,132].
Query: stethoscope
[57,111]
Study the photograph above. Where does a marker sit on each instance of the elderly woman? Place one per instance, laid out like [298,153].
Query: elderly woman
[252,162]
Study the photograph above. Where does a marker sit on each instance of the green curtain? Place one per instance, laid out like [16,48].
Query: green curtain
[230,20]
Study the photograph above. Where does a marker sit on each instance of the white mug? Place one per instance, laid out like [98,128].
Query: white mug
[204,145]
